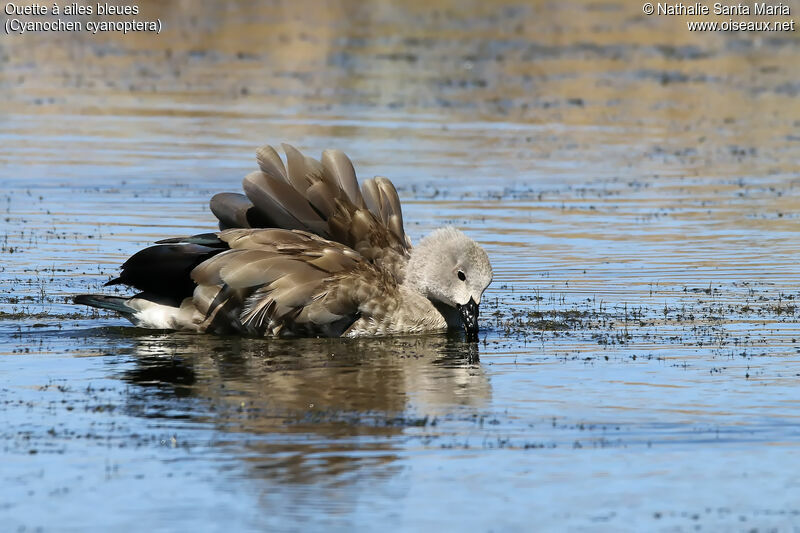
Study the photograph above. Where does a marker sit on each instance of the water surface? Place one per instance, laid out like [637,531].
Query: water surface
[634,184]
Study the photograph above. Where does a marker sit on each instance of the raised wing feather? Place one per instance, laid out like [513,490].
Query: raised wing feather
[322,198]
[234,210]
[339,170]
[382,200]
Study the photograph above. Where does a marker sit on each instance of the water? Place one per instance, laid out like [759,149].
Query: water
[633,183]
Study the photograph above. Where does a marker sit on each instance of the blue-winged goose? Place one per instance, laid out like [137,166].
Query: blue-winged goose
[334,261]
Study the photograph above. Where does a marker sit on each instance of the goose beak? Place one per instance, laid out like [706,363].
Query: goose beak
[469,317]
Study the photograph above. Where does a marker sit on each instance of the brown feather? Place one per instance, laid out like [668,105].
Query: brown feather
[299,172]
[323,199]
[270,163]
[390,205]
[331,262]
[259,238]
[339,169]
[369,189]
[321,196]
[231,209]
[252,268]
[287,282]
[281,202]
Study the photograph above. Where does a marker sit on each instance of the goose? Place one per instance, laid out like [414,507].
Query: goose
[305,252]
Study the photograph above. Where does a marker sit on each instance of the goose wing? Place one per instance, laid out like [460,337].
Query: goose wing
[321,197]
[286,282]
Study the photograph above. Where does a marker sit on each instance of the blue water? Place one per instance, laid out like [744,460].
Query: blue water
[638,358]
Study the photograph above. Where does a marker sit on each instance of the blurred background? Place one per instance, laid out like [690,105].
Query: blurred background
[534,85]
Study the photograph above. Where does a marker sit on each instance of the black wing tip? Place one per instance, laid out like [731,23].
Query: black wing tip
[165,269]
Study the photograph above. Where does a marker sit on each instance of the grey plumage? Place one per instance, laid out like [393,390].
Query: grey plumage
[306,252]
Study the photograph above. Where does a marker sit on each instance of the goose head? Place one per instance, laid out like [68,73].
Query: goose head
[452,271]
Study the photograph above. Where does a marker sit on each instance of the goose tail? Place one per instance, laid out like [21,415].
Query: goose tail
[102,301]
[145,312]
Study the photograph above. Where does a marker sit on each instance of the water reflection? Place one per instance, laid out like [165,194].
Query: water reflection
[305,410]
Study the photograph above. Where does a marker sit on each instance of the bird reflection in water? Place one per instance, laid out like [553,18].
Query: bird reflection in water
[308,410]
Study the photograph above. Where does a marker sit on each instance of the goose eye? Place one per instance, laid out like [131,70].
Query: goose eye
[462,276]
